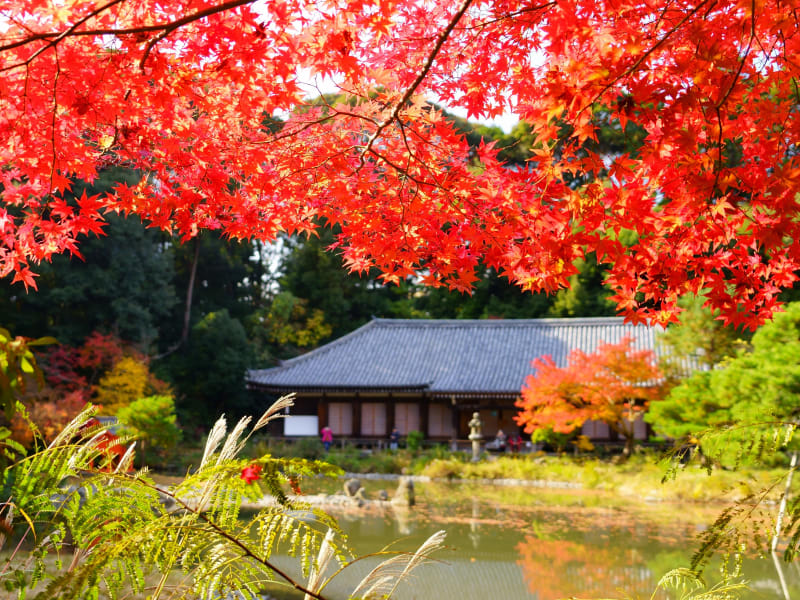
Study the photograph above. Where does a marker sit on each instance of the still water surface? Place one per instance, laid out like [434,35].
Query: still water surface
[519,543]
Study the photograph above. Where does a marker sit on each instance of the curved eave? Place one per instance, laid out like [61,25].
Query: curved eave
[318,389]
[366,390]
[475,395]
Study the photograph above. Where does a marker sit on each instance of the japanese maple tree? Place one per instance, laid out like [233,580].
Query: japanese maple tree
[207,98]
[614,385]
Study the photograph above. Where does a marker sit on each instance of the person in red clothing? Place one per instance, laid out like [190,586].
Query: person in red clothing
[515,442]
[327,437]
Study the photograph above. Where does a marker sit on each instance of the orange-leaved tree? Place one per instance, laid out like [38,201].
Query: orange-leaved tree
[208,99]
[614,385]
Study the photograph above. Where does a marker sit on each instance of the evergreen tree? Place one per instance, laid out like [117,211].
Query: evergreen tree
[586,296]
[208,372]
[754,392]
[314,274]
[123,284]
[700,337]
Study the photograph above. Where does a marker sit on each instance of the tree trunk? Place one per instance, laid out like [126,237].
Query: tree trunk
[629,444]
[628,435]
[187,312]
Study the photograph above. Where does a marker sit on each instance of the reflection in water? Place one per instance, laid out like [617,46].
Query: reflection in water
[402,517]
[522,544]
[560,569]
[474,533]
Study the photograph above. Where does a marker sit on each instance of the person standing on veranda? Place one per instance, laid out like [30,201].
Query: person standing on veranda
[394,439]
[327,437]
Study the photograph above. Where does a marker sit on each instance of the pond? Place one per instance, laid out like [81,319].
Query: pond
[512,543]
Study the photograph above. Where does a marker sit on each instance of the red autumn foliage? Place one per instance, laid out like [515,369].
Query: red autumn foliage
[208,98]
[614,384]
[50,410]
[71,375]
[70,368]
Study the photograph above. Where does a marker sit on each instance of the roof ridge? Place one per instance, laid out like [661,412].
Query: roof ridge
[574,321]
[320,350]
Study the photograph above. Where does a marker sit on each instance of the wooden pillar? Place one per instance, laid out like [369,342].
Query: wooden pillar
[389,414]
[322,411]
[424,409]
[357,416]
[456,416]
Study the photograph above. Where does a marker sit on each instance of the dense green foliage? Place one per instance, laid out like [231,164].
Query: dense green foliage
[122,283]
[317,276]
[152,423]
[753,392]
[700,338]
[286,327]
[209,371]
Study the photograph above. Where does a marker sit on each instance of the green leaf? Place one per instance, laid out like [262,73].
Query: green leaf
[43,341]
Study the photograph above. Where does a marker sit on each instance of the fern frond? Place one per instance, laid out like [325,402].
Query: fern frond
[122,531]
[73,428]
[688,585]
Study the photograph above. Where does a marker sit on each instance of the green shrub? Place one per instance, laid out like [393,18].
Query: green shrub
[414,440]
[151,420]
[355,460]
[310,448]
[448,468]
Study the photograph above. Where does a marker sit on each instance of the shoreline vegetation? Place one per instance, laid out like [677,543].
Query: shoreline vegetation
[646,476]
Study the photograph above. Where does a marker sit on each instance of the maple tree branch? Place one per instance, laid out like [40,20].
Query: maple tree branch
[426,67]
[311,168]
[165,29]
[399,169]
[171,25]
[415,156]
[660,18]
[510,15]
[53,119]
[59,35]
[645,55]
[151,43]
[718,170]
[738,73]
[726,95]
[51,43]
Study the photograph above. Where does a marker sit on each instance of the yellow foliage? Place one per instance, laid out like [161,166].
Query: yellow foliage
[125,382]
[583,444]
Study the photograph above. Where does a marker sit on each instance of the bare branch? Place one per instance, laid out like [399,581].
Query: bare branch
[72,31]
[420,77]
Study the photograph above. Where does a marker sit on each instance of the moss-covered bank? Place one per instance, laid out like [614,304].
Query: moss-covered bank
[643,477]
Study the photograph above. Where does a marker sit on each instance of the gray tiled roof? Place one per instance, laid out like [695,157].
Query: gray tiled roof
[444,357]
